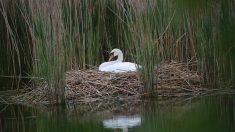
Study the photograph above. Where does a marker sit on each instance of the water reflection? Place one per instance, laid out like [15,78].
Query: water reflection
[122,122]
[231,105]
[207,114]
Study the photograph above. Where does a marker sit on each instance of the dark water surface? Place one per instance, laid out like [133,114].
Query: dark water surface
[204,114]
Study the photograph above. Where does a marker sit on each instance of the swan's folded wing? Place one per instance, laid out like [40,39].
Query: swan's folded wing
[123,67]
[118,67]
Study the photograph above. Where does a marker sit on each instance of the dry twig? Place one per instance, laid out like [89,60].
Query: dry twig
[174,80]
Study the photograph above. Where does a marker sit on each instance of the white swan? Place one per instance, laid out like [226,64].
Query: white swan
[117,65]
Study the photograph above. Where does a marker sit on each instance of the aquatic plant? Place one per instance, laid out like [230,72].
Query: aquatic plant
[42,40]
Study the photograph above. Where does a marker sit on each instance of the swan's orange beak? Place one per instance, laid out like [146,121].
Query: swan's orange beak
[111,56]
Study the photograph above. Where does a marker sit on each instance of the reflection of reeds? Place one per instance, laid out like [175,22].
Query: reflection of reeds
[17,118]
[46,38]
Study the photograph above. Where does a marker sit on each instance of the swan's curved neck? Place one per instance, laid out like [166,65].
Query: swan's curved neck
[120,58]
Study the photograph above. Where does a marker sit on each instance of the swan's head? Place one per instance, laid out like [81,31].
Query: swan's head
[116,53]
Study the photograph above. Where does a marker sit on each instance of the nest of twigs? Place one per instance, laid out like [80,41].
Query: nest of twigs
[173,80]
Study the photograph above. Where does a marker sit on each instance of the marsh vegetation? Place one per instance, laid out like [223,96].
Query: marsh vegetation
[41,40]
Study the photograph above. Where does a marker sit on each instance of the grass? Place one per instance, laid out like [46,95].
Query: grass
[44,39]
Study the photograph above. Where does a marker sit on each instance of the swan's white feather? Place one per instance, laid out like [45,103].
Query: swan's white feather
[118,67]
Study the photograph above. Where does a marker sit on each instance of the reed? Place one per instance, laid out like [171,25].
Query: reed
[215,45]
[44,39]
[16,54]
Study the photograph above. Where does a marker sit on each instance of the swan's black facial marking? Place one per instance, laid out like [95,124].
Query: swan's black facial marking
[112,57]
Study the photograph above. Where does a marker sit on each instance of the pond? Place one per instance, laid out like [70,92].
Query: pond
[203,114]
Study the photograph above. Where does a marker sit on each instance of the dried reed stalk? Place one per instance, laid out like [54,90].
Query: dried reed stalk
[173,80]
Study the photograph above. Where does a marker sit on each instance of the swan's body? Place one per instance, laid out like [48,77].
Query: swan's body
[117,65]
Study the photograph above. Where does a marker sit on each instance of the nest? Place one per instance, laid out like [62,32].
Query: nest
[173,80]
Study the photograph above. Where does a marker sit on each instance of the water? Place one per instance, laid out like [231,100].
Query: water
[205,114]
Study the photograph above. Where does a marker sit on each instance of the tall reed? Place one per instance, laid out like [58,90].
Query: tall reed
[49,34]
[43,39]
[15,40]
